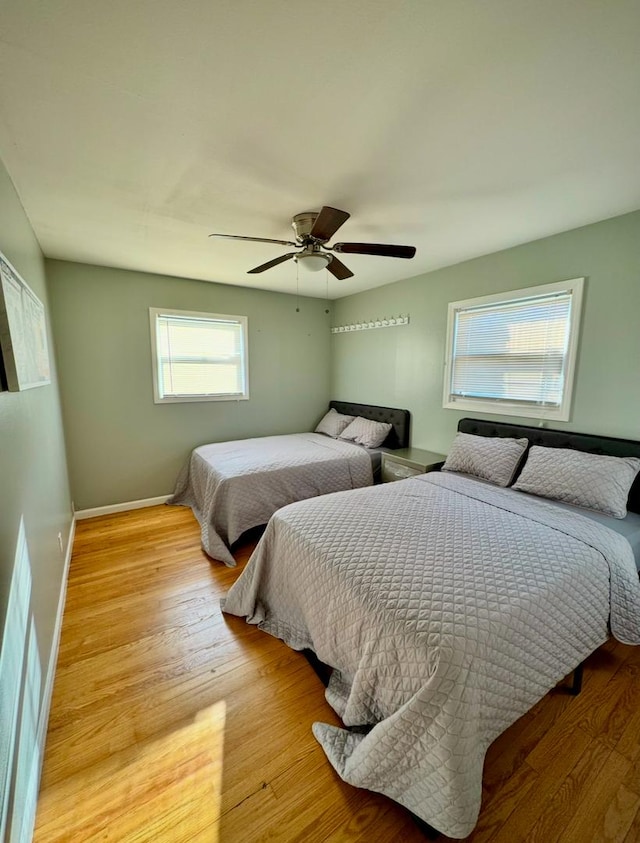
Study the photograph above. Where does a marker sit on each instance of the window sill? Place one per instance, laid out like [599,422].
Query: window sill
[500,408]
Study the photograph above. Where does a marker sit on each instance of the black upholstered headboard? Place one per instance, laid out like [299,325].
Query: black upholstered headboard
[400,419]
[548,438]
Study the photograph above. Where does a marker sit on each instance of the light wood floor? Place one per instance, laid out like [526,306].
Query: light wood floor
[171,722]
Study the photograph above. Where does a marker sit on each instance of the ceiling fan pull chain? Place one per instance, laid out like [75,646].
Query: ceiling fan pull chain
[326,279]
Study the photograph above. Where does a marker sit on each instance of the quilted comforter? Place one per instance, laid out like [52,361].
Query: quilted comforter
[234,486]
[447,608]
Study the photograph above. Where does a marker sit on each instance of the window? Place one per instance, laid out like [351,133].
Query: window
[514,353]
[198,356]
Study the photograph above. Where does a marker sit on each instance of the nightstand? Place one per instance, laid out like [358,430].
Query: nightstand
[407,462]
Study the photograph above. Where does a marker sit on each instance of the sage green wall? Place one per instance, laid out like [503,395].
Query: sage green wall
[122,446]
[403,367]
[33,474]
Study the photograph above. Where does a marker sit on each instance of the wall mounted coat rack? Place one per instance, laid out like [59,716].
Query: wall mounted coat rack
[388,322]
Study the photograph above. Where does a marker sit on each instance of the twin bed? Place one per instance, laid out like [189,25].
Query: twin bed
[235,486]
[446,606]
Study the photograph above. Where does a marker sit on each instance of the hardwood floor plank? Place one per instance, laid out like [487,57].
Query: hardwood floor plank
[323,799]
[530,731]
[598,809]
[167,789]
[500,805]
[551,773]
[633,834]
[556,816]
[621,814]
[375,821]
[632,779]
[610,710]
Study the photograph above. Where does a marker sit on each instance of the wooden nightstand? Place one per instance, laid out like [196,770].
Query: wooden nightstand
[407,462]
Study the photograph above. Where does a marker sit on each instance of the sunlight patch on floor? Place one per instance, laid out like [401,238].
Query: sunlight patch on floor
[167,789]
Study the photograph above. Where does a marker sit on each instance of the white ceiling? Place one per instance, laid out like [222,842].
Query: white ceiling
[134,128]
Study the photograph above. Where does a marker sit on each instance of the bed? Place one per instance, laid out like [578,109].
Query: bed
[235,486]
[446,607]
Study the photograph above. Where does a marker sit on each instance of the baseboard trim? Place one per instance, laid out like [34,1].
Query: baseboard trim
[81,514]
[53,656]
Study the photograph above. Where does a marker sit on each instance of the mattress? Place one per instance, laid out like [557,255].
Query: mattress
[628,528]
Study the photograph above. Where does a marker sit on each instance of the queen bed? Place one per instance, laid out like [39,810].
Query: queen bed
[235,486]
[447,605]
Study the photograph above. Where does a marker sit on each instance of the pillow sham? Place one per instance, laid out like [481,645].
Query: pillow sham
[594,481]
[492,458]
[333,423]
[366,432]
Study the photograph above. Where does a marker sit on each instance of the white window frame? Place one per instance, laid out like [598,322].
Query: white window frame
[158,398]
[518,408]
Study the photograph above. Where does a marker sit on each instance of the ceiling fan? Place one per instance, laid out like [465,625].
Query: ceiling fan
[313,230]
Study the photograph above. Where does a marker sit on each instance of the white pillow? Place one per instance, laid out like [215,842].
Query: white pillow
[492,458]
[593,481]
[333,423]
[366,432]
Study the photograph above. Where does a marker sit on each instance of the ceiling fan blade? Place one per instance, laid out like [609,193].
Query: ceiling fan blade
[386,250]
[254,239]
[338,269]
[327,223]
[274,262]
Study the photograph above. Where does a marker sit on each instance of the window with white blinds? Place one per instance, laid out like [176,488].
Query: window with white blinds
[198,356]
[514,353]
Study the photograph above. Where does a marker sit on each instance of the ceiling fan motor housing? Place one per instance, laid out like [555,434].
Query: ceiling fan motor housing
[303,223]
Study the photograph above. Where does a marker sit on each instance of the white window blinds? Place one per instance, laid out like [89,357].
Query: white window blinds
[514,351]
[200,356]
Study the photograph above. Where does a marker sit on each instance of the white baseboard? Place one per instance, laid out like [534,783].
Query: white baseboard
[53,656]
[81,514]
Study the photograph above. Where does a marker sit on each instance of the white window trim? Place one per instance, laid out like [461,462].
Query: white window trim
[505,408]
[154,312]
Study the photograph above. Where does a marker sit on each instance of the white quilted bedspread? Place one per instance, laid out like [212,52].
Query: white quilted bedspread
[447,608]
[234,486]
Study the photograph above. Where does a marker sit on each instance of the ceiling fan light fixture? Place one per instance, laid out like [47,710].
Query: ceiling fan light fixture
[313,261]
